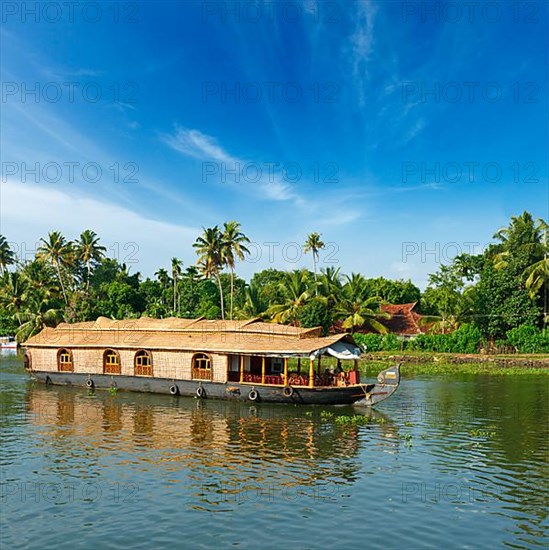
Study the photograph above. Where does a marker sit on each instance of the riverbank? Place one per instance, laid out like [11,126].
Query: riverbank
[446,363]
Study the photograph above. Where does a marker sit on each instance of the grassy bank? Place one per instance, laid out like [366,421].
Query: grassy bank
[450,363]
[420,363]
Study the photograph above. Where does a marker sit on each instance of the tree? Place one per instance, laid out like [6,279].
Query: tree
[537,274]
[234,244]
[296,291]
[268,283]
[36,316]
[211,257]
[313,244]
[394,292]
[176,272]
[89,250]
[443,300]
[13,293]
[254,305]
[59,253]
[330,286]
[356,309]
[7,257]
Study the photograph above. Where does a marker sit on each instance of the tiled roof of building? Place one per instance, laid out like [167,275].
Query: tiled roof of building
[404,320]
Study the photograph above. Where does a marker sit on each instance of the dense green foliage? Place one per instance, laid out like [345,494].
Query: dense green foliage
[467,338]
[498,299]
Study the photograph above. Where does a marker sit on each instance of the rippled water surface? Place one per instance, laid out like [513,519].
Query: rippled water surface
[448,462]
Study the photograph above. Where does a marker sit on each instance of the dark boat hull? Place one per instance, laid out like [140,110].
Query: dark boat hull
[209,390]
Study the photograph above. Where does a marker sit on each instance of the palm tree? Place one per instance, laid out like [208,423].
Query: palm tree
[330,286]
[357,309]
[234,244]
[7,257]
[254,305]
[87,250]
[296,289]
[13,293]
[176,272]
[39,276]
[164,279]
[537,274]
[313,244]
[59,253]
[37,315]
[211,257]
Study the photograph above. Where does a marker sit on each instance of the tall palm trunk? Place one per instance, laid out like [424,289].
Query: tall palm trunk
[88,264]
[61,283]
[174,294]
[232,290]
[221,297]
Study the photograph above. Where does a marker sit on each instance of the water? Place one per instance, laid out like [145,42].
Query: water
[449,461]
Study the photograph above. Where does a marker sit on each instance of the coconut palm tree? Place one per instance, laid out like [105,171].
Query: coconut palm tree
[7,257]
[89,250]
[211,257]
[176,272]
[37,315]
[297,291]
[164,279]
[13,293]
[234,243]
[254,305]
[330,286]
[313,244]
[537,274]
[357,309]
[59,253]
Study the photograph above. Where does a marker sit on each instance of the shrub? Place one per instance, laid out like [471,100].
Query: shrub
[379,342]
[529,339]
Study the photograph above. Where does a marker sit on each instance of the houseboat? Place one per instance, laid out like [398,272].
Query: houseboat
[242,360]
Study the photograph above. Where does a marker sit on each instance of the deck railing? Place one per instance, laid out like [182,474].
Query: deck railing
[202,374]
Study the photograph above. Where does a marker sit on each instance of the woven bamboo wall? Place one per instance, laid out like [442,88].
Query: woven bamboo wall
[165,364]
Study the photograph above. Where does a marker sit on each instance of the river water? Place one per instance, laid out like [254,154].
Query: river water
[447,462]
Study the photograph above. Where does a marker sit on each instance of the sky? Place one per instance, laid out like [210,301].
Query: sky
[403,132]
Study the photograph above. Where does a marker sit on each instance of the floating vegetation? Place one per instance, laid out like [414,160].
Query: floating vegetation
[482,433]
[113,390]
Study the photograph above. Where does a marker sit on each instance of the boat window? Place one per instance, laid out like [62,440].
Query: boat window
[202,366]
[143,363]
[111,362]
[64,360]
[27,361]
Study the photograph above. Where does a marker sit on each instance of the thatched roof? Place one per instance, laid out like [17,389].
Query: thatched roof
[249,337]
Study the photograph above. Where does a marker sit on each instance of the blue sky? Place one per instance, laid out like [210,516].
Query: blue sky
[333,114]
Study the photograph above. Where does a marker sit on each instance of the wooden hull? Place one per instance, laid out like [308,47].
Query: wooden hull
[345,395]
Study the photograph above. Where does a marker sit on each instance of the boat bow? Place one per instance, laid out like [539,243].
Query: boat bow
[388,381]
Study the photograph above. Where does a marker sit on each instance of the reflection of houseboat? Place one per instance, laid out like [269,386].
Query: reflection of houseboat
[7,342]
[243,360]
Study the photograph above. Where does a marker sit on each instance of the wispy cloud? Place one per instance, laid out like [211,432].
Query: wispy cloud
[195,144]
[362,43]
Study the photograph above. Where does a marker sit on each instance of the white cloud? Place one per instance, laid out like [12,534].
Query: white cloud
[362,41]
[29,212]
[195,144]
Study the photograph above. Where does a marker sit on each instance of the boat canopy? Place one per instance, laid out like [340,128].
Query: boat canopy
[340,350]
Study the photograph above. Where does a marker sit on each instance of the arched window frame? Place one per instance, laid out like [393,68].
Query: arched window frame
[201,366]
[27,360]
[65,361]
[141,369]
[110,366]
